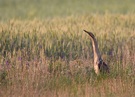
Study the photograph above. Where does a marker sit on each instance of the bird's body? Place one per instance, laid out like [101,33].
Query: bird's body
[99,64]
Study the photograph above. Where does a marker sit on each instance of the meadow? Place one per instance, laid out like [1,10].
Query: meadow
[48,54]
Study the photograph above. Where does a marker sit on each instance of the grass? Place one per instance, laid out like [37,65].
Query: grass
[30,9]
[54,57]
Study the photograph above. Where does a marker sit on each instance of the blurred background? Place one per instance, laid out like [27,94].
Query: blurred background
[29,9]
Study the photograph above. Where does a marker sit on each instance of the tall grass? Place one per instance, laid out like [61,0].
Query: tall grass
[54,57]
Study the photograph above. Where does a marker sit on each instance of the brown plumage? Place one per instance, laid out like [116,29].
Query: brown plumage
[99,64]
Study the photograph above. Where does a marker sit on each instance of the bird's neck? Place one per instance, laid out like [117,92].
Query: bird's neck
[96,52]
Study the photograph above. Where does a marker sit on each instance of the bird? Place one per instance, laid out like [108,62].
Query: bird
[99,65]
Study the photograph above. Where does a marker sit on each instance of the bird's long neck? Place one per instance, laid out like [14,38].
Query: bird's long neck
[97,55]
[96,52]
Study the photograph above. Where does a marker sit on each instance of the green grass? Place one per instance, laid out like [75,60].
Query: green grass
[29,9]
[54,57]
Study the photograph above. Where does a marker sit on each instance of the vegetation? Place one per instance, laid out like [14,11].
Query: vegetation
[30,9]
[53,56]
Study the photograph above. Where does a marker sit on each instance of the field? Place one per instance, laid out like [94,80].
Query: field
[46,53]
